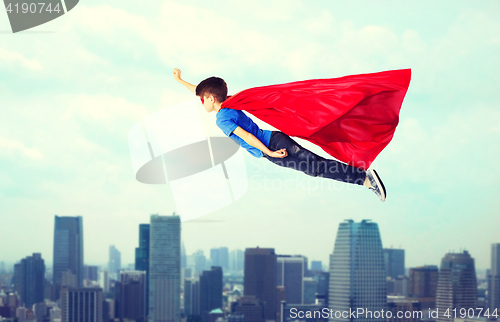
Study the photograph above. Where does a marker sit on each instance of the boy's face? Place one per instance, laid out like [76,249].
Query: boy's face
[208,102]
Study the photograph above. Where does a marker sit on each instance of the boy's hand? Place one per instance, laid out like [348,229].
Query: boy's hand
[278,153]
[177,74]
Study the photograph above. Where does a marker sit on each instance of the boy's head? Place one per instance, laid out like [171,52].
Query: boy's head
[214,86]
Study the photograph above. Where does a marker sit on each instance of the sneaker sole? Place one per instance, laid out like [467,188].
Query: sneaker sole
[380,184]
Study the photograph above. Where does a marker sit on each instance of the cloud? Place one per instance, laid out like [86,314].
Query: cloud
[12,59]
[11,148]
[102,108]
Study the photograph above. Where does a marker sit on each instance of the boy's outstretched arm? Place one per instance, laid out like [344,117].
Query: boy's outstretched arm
[177,77]
[256,143]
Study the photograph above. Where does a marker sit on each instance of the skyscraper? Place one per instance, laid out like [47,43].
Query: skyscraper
[423,281]
[115,263]
[357,270]
[214,256]
[32,279]
[142,256]
[251,308]
[142,252]
[316,266]
[81,305]
[68,249]
[224,258]
[290,272]
[457,285]
[394,262]
[200,261]
[236,260]
[494,279]
[183,256]
[188,296]
[260,278]
[165,269]
[91,273]
[210,291]
[130,296]
[310,287]
[322,282]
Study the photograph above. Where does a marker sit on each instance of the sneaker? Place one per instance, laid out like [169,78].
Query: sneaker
[377,185]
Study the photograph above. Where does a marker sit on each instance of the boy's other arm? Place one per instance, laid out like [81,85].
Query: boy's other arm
[256,143]
[177,77]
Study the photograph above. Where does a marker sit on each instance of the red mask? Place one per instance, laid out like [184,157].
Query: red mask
[202,100]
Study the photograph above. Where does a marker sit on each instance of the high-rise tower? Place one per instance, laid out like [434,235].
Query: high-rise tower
[394,262]
[142,256]
[357,271]
[210,291]
[115,263]
[423,281]
[457,285]
[494,279]
[68,250]
[290,274]
[260,278]
[165,269]
[32,280]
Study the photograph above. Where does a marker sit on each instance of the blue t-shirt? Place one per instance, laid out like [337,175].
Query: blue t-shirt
[228,120]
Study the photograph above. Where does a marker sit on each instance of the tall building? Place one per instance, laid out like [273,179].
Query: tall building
[210,290]
[68,250]
[457,285]
[81,305]
[188,296]
[130,296]
[494,279]
[200,261]
[423,281]
[142,256]
[236,260]
[91,273]
[220,257]
[183,256]
[316,266]
[165,269]
[115,262]
[260,278]
[250,307]
[357,270]
[214,256]
[290,272]
[104,281]
[394,260]
[322,282]
[411,307]
[224,258]
[310,287]
[195,296]
[32,279]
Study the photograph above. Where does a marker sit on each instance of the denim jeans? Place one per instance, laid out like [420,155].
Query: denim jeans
[301,159]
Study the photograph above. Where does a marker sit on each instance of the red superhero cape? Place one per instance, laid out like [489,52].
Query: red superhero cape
[352,118]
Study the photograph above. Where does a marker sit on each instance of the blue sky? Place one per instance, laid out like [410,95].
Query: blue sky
[72,88]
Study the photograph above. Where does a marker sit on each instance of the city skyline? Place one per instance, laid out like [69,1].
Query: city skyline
[357,278]
[63,133]
[105,264]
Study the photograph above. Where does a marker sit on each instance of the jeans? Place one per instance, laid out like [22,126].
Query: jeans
[301,159]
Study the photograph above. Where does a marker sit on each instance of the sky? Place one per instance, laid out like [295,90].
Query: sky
[71,89]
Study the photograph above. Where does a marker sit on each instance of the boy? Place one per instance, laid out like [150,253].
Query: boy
[275,146]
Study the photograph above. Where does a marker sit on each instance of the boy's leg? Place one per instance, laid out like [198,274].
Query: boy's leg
[312,164]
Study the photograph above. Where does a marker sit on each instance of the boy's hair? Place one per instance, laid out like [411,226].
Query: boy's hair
[213,86]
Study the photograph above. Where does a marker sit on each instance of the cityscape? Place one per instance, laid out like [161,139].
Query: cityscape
[362,281]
